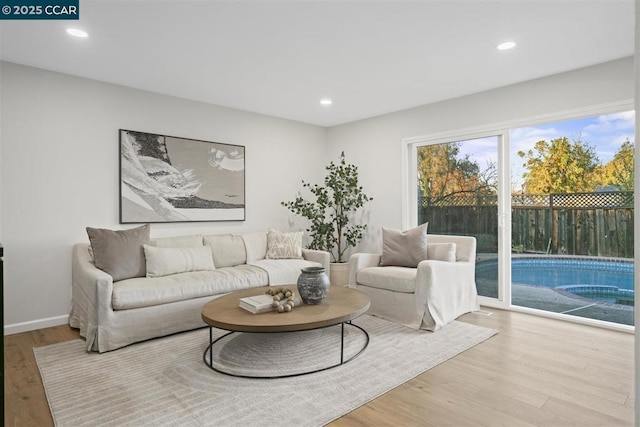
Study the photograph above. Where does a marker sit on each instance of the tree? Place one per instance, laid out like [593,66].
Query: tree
[560,166]
[619,171]
[332,213]
[443,173]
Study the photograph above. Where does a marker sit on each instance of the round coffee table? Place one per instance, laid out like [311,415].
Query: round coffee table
[341,306]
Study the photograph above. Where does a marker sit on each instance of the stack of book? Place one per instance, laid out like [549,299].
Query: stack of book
[257,304]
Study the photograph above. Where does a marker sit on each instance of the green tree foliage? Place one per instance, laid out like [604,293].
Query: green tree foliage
[442,173]
[619,171]
[332,212]
[560,166]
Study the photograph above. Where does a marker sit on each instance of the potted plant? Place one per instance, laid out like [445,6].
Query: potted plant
[332,214]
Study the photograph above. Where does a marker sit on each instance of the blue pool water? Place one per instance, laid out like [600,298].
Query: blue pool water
[608,281]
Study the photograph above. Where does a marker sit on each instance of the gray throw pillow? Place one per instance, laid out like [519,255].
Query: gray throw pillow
[119,253]
[404,248]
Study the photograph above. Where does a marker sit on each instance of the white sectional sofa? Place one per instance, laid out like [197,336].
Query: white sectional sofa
[112,314]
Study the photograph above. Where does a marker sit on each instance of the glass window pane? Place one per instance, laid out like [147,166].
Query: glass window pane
[457,194]
[572,217]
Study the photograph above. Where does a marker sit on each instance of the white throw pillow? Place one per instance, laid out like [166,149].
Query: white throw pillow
[166,261]
[441,252]
[284,245]
[227,250]
[255,244]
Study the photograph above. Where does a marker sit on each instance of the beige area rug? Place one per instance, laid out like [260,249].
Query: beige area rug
[164,382]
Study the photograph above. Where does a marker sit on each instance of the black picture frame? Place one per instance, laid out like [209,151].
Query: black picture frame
[172,179]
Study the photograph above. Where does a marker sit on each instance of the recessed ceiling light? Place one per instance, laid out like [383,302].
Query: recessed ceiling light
[77,33]
[326,101]
[506,45]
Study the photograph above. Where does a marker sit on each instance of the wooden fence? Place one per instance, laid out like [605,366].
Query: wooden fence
[597,224]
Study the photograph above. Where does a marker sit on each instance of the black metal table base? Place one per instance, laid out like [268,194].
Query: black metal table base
[212,342]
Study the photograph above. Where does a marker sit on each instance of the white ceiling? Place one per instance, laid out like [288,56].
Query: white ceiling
[281,57]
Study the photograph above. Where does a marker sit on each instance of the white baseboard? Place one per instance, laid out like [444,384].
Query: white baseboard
[32,325]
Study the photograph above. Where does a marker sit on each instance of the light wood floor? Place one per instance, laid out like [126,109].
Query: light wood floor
[536,371]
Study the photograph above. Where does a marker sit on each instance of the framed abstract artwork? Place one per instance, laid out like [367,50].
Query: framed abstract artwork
[170,179]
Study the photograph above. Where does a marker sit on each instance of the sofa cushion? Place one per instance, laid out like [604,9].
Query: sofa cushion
[404,248]
[227,250]
[119,253]
[397,279]
[284,271]
[145,292]
[284,245]
[165,261]
[255,244]
[193,241]
[442,252]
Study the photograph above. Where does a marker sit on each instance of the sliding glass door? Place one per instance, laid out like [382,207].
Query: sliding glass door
[572,217]
[551,206]
[458,194]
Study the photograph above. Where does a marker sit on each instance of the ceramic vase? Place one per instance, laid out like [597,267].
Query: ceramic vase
[313,285]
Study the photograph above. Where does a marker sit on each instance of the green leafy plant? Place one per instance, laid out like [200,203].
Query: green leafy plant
[333,211]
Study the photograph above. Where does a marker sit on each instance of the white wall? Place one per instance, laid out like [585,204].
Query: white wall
[59,161]
[59,173]
[375,144]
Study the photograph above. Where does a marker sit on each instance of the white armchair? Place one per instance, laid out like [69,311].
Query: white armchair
[427,297]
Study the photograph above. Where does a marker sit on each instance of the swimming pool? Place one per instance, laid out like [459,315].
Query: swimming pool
[604,280]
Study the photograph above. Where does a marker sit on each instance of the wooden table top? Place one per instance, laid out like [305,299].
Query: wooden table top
[341,305]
